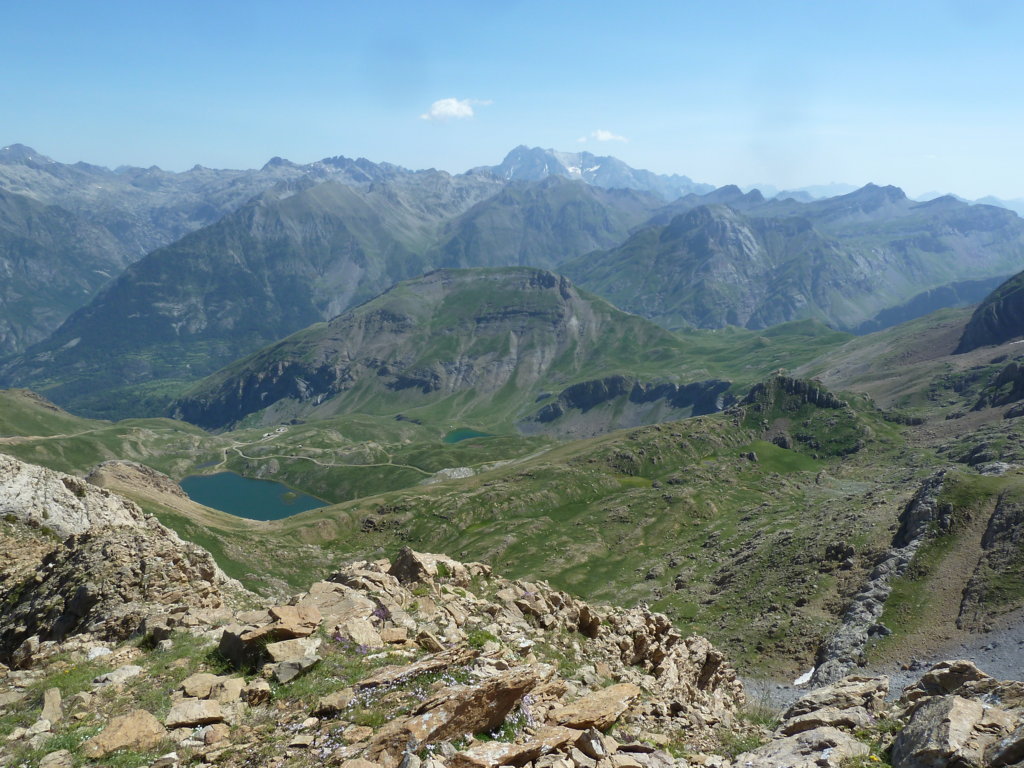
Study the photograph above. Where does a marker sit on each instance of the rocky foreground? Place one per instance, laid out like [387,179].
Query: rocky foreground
[123,646]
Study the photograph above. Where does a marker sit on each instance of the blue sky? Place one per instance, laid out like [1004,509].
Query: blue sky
[925,95]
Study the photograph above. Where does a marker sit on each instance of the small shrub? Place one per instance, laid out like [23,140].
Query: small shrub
[479,638]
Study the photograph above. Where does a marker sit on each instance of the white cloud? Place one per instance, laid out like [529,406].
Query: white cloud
[601,135]
[452,109]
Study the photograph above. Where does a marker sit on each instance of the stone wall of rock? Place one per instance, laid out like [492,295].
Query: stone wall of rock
[63,503]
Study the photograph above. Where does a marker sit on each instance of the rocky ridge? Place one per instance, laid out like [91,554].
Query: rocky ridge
[417,662]
[103,566]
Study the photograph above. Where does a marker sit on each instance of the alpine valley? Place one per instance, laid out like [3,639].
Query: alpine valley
[679,446]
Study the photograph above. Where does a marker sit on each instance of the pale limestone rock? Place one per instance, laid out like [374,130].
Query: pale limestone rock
[52,710]
[949,730]
[119,676]
[850,719]
[228,690]
[817,748]
[137,730]
[452,713]
[64,503]
[596,710]
[189,713]
[333,703]
[851,691]
[256,692]
[484,755]
[199,685]
[59,759]
[360,632]
[288,650]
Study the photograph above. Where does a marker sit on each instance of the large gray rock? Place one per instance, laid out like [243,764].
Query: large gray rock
[63,503]
[852,691]
[949,731]
[817,748]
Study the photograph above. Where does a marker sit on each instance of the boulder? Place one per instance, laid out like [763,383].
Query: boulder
[138,730]
[228,690]
[287,671]
[200,685]
[852,691]
[337,603]
[949,730]
[596,710]
[817,748]
[360,632]
[333,703]
[189,713]
[850,719]
[118,676]
[943,678]
[1008,750]
[289,650]
[296,620]
[452,713]
[487,754]
[410,567]
[59,759]
[52,709]
[256,692]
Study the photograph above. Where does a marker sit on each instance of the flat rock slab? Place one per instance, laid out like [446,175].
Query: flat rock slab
[949,730]
[547,739]
[138,730]
[189,713]
[818,748]
[852,691]
[200,685]
[118,676]
[451,713]
[850,719]
[596,710]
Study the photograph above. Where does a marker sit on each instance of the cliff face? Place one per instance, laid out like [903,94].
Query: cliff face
[495,338]
[999,318]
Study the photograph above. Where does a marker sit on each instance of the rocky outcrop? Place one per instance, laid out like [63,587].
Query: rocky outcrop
[766,394]
[923,516]
[116,568]
[1001,561]
[63,503]
[107,582]
[999,318]
[635,402]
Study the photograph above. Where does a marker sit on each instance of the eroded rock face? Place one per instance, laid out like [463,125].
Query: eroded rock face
[818,748]
[453,713]
[950,731]
[63,503]
[107,581]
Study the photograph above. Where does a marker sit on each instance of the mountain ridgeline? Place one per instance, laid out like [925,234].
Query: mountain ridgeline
[484,344]
[320,239]
[848,261]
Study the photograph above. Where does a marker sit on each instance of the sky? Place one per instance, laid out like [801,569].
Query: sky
[928,96]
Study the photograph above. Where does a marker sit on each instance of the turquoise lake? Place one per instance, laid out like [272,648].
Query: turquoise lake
[464,433]
[245,497]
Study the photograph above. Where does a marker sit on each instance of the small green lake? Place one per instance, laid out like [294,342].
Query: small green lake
[463,433]
[245,497]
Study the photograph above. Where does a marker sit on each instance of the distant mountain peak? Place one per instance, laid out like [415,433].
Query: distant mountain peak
[872,191]
[535,163]
[278,162]
[19,153]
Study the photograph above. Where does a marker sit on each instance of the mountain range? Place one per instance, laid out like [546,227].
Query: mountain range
[291,245]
